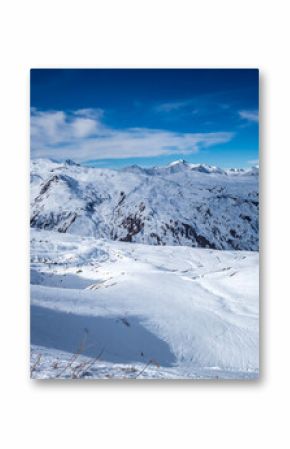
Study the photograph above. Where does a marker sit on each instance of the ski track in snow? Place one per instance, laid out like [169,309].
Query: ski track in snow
[103,309]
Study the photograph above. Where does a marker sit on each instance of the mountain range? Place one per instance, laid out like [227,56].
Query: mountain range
[184,204]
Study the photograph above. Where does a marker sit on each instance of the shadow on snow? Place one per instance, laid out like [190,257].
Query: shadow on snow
[124,339]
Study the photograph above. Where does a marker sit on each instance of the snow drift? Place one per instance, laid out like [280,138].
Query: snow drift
[180,312]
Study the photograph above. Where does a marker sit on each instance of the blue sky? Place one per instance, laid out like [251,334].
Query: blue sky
[118,117]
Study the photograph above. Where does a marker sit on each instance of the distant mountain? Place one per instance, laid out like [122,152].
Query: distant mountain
[180,204]
[181,165]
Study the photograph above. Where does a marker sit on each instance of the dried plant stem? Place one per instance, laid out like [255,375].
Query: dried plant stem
[75,356]
[33,367]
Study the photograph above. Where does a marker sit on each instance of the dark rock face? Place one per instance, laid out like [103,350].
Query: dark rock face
[46,186]
[133,225]
[60,222]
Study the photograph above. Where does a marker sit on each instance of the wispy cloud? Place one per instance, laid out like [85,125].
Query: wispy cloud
[172,106]
[250,116]
[253,162]
[82,136]
[202,105]
[96,113]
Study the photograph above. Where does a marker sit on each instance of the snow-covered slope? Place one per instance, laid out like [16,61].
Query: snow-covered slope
[112,309]
[180,204]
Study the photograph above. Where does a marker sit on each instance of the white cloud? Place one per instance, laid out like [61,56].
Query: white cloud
[81,135]
[84,127]
[251,116]
[53,127]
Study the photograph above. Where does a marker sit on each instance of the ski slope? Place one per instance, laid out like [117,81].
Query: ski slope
[110,309]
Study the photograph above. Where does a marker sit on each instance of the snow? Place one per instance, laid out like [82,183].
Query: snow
[144,272]
[110,309]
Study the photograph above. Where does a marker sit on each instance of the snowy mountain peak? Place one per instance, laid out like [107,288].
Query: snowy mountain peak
[70,162]
[202,168]
[134,169]
[178,162]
